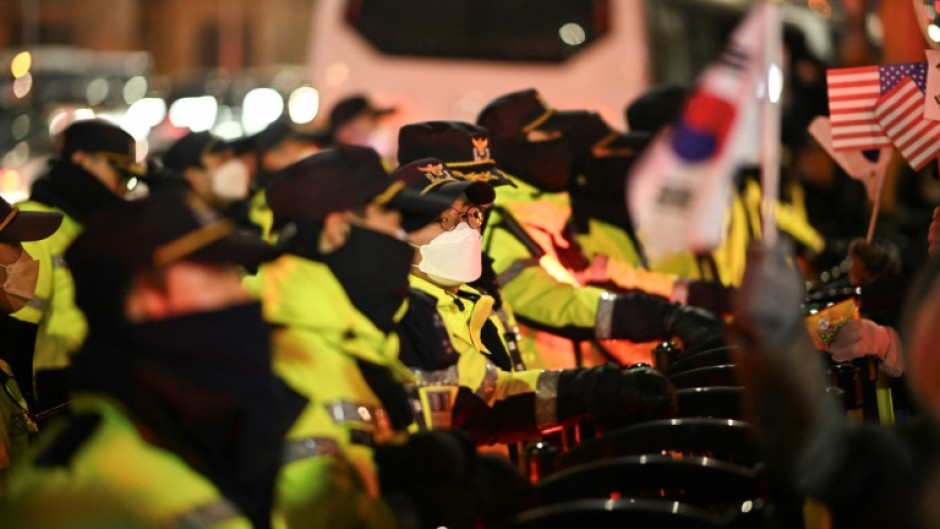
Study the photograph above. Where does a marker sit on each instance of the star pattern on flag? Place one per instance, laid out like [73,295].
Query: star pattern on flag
[892,74]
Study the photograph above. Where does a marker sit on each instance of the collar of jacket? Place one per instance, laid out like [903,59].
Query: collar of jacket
[73,190]
[299,293]
[473,306]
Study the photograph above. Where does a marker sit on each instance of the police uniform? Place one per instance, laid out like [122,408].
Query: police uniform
[499,399]
[345,414]
[101,449]
[330,347]
[537,286]
[497,402]
[17,426]
[254,213]
[79,195]
[135,435]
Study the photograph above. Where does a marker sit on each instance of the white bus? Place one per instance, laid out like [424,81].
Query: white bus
[446,60]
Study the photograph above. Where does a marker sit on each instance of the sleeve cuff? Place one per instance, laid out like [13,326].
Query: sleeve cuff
[546,399]
[604,320]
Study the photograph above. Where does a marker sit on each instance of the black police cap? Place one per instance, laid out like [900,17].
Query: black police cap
[147,234]
[463,146]
[514,115]
[188,151]
[162,229]
[591,133]
[272,135]
[19,226]
[101,137]
[338,179]
[432,176]
[351,107]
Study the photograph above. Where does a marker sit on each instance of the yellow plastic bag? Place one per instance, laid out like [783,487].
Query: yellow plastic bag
[824,325]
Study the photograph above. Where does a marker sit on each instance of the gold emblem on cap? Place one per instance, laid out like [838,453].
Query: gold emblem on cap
[436,173]
[481,148]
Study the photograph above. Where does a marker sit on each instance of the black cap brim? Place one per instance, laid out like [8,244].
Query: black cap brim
[380,112]
[477,192]
[630,141]
[237,248]
[419,210]
[31,226]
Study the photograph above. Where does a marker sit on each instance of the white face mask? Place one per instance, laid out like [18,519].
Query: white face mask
[230,180]
[22,278]
[453,258]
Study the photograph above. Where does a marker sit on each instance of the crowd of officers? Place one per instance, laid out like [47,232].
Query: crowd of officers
[284,333]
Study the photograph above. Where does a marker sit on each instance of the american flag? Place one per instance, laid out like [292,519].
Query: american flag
[853,93]
[900,113]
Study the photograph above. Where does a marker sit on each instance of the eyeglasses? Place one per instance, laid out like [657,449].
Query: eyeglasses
[451,218]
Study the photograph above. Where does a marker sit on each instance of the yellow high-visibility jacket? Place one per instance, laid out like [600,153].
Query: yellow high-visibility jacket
[62,326]
[318,347]
[100,453]
[519,402]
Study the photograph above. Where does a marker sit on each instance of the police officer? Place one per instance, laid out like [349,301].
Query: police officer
[96,164]
[356,120]
[18,275]
[277,146]
[602,158]
[336,296]
[178,417]
[519,255]
[210,167]
[499,399]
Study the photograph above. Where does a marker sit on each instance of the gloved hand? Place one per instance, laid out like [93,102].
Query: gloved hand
[869,261]
[501,490]
[698,329]
[768,302]
[797,425]
[711,296]
[612,394]
[434,457]
[858,338]
[641,317]
[933,234]
[428,480]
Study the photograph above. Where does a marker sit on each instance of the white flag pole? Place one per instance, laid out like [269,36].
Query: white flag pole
[876,203]
[772,80]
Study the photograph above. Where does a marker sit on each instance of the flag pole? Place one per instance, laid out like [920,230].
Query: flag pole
[772,79]
[876,204]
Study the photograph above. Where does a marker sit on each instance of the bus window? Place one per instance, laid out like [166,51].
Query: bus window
[493,30]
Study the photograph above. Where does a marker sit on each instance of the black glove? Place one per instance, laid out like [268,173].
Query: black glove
[698,329]
[501,490]
[642,317]
[427,458]
[711,296]
[614,395]
[428,481]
